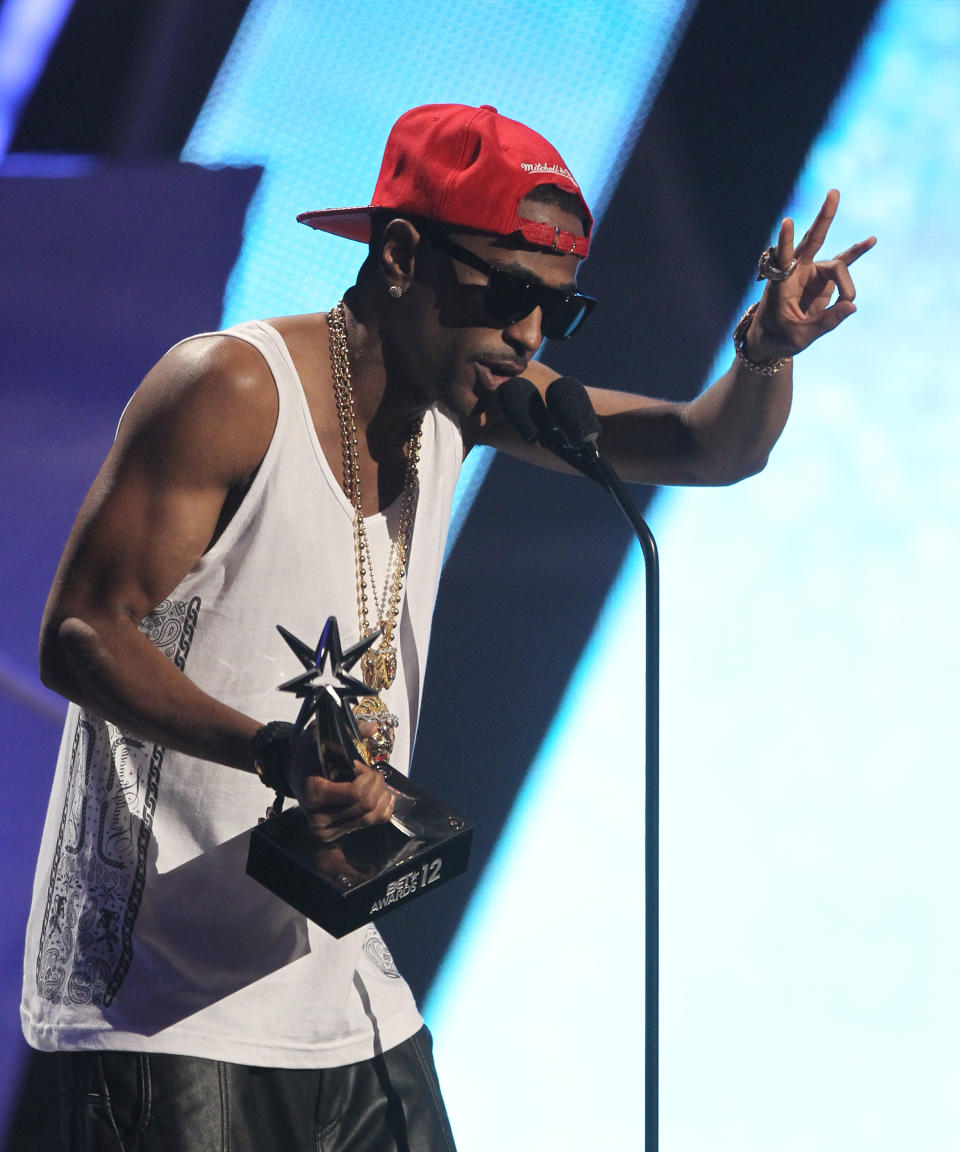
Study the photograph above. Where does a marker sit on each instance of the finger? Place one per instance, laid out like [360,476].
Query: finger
[352,814]
[370,793]
[317,791]
[361,793]
[834,315]
[836,271]
[785,251]
[855,251]
[331,825]
[815,235]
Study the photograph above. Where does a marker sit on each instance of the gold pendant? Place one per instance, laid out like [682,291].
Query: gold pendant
[379,667]
[375,747]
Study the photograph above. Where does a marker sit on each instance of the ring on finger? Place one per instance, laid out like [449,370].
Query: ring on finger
[768,269]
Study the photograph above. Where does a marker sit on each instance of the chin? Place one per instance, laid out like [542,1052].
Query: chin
[460,396]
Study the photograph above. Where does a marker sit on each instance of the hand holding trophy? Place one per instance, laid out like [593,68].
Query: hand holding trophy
[341,883]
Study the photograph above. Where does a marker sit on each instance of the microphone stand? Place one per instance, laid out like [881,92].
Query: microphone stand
[604,473]
[567,426]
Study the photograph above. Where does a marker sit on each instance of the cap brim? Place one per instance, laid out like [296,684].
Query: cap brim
[351,223]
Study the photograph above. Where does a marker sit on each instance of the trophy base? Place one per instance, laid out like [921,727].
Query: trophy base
[343,885]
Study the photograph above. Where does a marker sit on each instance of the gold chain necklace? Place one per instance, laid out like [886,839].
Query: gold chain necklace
[379,664]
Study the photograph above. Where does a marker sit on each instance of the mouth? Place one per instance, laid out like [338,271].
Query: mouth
[492,373]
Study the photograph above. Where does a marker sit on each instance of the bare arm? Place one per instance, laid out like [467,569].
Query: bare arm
[727,432]
[193,433]
[721,437]
[191,438]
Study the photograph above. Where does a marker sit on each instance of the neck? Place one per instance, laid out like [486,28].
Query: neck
[385,404]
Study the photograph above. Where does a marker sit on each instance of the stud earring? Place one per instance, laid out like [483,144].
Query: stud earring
[395,291]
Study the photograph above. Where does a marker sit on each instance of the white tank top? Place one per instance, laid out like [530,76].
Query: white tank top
[145,932]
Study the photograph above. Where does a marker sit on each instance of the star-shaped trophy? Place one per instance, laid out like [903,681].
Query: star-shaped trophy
[341,885]
[328,693]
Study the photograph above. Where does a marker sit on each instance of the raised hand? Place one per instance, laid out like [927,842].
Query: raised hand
[796,311]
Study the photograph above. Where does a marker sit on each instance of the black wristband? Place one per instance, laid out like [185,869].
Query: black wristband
[272,748]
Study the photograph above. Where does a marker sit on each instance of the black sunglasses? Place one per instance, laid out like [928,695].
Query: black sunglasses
[508,298]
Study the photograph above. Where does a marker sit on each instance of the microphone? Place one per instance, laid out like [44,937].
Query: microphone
[569,405]
[524,409]
[515,396]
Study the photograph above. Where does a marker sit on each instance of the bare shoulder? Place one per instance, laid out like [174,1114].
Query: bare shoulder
[211,398]
[222,373]
[193,433]
[307,338]
[302,326]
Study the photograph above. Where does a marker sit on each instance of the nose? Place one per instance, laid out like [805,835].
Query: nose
[526,332]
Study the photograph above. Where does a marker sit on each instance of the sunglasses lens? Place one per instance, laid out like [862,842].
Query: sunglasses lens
[562,320]
[563,316]
[509,299]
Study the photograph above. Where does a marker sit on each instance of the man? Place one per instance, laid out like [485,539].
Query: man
[280,473]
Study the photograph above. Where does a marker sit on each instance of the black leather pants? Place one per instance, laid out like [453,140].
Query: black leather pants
[140,1102]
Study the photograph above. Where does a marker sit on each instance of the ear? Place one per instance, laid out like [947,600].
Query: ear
[398,252]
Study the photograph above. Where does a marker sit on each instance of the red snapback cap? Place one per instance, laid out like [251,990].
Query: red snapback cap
[466,166]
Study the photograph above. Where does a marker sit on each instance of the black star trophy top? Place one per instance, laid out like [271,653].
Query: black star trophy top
[343,884]
[327,694]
